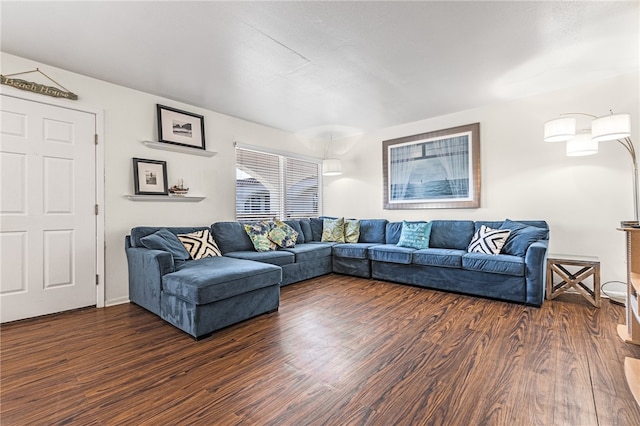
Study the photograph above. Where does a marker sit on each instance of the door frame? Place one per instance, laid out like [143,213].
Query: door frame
[99,173]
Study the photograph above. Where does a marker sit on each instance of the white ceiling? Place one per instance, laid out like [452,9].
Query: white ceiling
[300,66]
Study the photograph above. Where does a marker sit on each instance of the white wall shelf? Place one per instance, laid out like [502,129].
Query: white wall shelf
[178,148]
[164,198]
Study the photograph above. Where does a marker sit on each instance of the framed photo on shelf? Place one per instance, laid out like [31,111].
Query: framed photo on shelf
[150,177]
[439,169]
[180,127]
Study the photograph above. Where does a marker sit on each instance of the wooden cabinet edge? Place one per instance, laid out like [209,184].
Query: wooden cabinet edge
[632,374]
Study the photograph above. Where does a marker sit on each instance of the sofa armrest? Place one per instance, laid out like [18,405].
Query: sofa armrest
[535,264]
[146,268]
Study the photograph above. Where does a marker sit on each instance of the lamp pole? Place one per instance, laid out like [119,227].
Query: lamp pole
[626,142]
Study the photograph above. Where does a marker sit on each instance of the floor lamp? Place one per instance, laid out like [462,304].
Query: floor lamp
[606,128]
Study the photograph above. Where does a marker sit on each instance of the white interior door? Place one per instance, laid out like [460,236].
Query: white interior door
[47,209]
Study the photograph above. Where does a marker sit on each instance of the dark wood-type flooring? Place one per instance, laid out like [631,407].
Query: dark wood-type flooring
[340,351]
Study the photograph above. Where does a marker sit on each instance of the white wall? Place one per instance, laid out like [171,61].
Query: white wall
[583,198]
[130,117]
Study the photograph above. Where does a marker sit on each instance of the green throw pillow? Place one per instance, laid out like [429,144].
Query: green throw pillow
[282,234]
[259,234]
[351,230]
[415,235]
[333,230]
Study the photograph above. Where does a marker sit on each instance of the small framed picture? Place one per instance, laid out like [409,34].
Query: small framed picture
[180,127]
[150,177]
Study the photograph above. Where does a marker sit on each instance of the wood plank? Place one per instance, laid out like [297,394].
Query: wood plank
[341,350]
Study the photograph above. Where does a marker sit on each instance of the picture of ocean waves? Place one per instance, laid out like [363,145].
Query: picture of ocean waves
[431,190]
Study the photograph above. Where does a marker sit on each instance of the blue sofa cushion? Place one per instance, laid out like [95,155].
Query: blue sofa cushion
[498,264]
[391,253]
[310,251]
[521,237]
[353,251]
[392,232]
[316,228]
[372,231]
[305,225]
[139,232]
[452,234]
[415,235]
[231,236]
[447,258]
[215,278]
[274,257]
[166,240]
[296,227]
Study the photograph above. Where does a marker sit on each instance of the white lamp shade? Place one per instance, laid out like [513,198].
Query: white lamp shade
[581,145]
[610,127]
[331,167]
[559,130]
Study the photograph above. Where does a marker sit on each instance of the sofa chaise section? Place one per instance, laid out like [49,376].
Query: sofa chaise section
[199,296]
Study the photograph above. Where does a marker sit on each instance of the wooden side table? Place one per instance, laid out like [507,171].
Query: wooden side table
[589,267]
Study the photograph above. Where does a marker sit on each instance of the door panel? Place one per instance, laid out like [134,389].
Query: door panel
[47,217]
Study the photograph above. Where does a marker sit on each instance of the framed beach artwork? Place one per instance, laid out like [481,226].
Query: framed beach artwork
[180,127]
[439,169]
[150,177]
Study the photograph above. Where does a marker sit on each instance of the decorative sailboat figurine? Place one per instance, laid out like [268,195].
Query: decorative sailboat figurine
[179,190]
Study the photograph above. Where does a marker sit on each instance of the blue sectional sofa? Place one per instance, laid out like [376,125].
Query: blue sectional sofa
[201,296]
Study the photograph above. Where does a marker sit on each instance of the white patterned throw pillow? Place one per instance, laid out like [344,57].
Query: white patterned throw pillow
[200,244]
[488,241]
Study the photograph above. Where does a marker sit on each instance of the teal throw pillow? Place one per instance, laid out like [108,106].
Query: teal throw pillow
[415,235]
[259,234]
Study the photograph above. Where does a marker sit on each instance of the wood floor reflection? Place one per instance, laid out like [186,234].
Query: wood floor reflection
[340,351]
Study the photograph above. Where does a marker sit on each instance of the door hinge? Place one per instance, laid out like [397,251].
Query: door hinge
[97,279]
[97,210]
[96,139]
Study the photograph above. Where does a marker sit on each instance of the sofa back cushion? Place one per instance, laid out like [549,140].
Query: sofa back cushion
[305,225]
[295,224]
[451,234]
[231,236]
[140,232]
[522,236]
[373,231]
[392,232]
[166,240]
[317,224]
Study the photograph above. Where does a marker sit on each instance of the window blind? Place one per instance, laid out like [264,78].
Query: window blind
[272,186]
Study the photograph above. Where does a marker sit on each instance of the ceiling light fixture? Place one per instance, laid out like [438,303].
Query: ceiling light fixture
[331,166]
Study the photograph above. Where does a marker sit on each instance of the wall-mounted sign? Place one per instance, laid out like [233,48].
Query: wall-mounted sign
[30,86]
